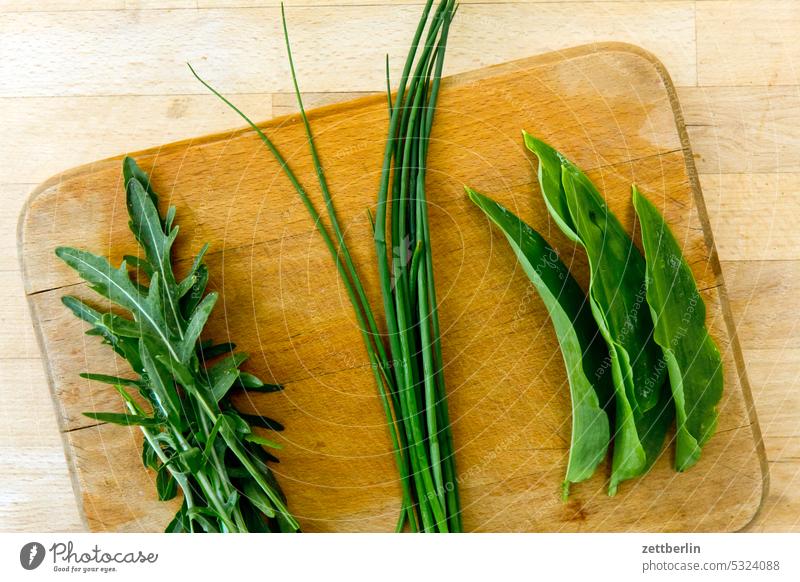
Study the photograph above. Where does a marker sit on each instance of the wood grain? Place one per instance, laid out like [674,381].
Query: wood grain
[729,59]
[609,106]
[721,121]
[92,128]
[236,49]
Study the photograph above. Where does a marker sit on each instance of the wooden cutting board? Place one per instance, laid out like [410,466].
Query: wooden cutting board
[610,107]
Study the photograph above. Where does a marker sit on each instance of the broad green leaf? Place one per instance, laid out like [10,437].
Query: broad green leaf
[617,296]
[195,327]
[581,345]
[549,174]
[125,419]
[693,361]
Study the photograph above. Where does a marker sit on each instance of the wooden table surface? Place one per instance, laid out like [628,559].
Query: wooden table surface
[84,79]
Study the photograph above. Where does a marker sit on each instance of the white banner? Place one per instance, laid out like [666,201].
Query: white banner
[399,557]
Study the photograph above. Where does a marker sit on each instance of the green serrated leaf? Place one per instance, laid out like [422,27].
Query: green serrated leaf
[195,326]
[226,365]
[259,440]
[115,284]
[138,264]
[162,386]
[106,379]
[121,326]
[191,460]
[149,457]
[125,419]
[166,486]
[192,277]
[179,523]
[261,421]
[132,171]
[258,499]
[199,515]
[194,294]
[146,226]
[223,383]
[209,351]
[170,218]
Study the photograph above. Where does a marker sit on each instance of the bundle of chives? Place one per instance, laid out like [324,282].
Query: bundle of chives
[412,391]
[407,282]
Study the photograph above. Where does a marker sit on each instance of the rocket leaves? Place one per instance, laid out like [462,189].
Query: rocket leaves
[188,393]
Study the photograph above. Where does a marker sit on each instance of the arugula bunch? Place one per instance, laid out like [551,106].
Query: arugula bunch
[193,436]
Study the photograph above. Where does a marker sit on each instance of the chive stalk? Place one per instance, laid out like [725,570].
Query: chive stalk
[411,384]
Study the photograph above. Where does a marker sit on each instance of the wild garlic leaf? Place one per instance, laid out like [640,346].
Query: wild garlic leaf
[693,360]
[617,297]
[581,344]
